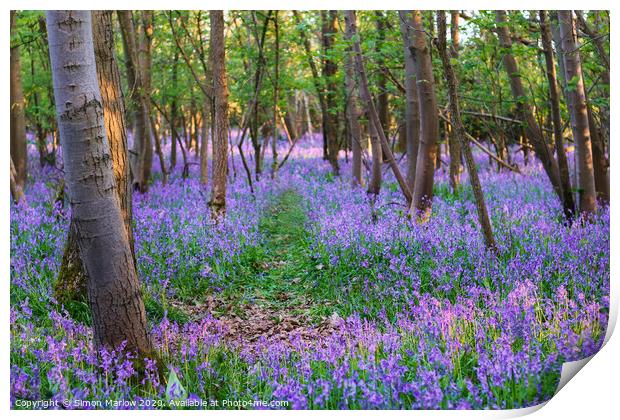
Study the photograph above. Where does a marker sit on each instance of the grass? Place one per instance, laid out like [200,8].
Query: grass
[280,269]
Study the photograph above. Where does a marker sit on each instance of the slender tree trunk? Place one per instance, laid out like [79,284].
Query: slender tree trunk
[258,79]
[412,116]
[599,43]
[429,123]
[567,194]
[174,111]
[276,87]
[145,59]
[532,129]
[113,287]
[158,150]
[329,30]
[16,190]
[19,154]
[220,140]
[40,133]
[353,115]
[315,76]
[371,111]
[578,113]
[459,130]
[204,145]
[382,96]
[455,146]
[109,79]
[291,118]
[139,107]
[601,178]
[376,173]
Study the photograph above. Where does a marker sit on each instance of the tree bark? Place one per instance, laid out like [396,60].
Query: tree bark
[329,30]
[174,110]
[382,96]
[72,279]
[113,287]
[158,150]
[109,79]
[371,111]
[16,190]
[138,98]
[353,116]
[567,194]
[412,116]
[532,129]
[597,38]
[315,76]
[455,146]
[19,153]
[601,177]
[459,131]
[578,112]
[376,172]
[429,122]
[276,92]
[145,60]
[204,145]
[220,140]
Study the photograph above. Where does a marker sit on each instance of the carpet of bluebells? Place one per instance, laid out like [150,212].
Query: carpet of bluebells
[427,317]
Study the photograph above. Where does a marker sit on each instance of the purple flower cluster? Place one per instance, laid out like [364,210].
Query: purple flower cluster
[436,321]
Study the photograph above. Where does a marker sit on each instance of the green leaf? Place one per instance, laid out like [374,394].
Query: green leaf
[174,389]
[572,83]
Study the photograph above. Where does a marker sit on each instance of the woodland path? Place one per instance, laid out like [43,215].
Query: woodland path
[275,300]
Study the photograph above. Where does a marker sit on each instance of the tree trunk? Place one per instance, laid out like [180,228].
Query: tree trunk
[158,150]
[567,194]
[145,59]
[598,40]
[429,124]
[220,140]
[204,145]
[454,145]
[72,279]
[113,287]
[601,177]
[412,116]
[371,111]
[138,105]
[19,153]
[353,116]
[291,119]
[376,173]
[532,129]
[459,130]
[109,79]
[329,30]
[276,87]
[578,114]
[16,190]
[382,96]
[174,111]
[315,76]
[40,133]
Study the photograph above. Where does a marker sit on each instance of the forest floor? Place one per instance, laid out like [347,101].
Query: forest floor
[275,299]
[309,293]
